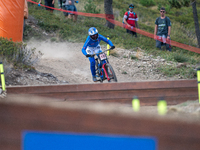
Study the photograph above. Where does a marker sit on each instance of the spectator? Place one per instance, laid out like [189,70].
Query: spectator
[162,30]
[25,13]
[71,7]
[67,5]
[61,3]
[49,3]
[130,19]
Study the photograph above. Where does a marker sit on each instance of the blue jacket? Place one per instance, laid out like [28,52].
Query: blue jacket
[91,43]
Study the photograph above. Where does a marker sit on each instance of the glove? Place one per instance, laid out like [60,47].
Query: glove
[88,55]
[112,47]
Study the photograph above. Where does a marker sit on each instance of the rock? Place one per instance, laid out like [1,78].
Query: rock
[37,77]
[162,60]
[181,65]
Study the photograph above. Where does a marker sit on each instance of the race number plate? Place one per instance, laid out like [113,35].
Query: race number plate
[102,56]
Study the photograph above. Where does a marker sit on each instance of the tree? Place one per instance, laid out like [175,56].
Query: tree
[196,23]
[109,13]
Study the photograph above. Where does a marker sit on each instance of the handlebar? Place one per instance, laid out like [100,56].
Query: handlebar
[90,55]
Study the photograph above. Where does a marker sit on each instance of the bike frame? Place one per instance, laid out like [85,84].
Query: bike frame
[103,64]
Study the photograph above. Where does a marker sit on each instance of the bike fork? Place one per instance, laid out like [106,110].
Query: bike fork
[106,72]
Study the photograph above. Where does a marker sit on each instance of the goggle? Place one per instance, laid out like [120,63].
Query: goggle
[131,7]
[162,11]
[94,36]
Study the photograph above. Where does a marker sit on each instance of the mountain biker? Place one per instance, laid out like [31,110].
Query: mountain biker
[92,46]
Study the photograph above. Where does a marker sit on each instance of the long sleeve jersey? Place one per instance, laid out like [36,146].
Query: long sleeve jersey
[91,43]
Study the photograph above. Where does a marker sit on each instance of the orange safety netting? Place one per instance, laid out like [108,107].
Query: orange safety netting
[107,17]
[11,19]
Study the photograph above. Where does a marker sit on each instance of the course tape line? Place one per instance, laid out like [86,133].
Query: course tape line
[110,18]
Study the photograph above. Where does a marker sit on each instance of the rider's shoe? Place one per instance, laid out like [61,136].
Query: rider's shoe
[94,78]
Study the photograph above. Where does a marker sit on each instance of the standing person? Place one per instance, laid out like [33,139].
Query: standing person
[49,3]
[25,13]
[131,19]
[60,3]
[92,46]
[65,4]
[162,30]
[71,7]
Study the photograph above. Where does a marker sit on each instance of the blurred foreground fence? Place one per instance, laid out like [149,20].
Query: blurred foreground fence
[20,114]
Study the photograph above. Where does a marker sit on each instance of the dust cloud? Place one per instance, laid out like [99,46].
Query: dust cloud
[64,60]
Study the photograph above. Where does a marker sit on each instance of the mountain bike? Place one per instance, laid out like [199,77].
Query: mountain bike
[103,69]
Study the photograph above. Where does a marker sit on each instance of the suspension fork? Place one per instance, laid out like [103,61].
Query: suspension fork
[104,68]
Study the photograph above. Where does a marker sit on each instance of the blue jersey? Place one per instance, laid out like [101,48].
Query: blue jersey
[91,43]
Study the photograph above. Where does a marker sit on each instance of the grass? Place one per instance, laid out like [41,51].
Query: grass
[180,58]
[124,72]
[17,54]
[182,29]
[134,57]
[183,73]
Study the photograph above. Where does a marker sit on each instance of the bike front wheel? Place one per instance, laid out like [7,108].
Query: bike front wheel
[110,73]
[99,71]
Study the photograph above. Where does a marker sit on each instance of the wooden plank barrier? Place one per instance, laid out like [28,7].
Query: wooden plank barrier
[18,114]
[148,93]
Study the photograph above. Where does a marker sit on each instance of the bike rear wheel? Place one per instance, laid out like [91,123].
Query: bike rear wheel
[111,73]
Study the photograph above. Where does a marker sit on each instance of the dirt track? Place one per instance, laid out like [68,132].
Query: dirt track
[68,64]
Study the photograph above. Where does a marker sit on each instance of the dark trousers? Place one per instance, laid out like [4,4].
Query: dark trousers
[131,32]
[159,43]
